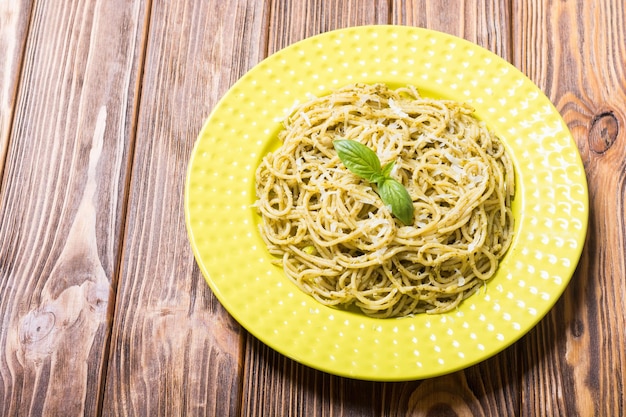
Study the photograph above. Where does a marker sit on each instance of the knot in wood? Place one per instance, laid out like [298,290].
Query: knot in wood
[35,326]
[603,132]
[441,410]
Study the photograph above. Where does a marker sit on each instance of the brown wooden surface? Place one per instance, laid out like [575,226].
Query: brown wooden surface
[103,310]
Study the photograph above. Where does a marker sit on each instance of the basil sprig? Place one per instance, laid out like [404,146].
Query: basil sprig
[364,162]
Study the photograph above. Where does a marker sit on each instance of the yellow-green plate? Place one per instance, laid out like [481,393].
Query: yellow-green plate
[550,208]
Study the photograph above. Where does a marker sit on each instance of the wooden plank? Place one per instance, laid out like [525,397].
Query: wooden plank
[62,204]
[484,389]
[14,20]
[298,390]
[174,349]
[575,358]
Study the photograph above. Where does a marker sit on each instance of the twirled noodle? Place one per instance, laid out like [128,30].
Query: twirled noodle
[337,240]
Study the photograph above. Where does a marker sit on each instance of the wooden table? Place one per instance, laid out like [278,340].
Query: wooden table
[103,309]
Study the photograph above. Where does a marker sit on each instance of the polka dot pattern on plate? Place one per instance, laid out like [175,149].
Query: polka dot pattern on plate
[550,207]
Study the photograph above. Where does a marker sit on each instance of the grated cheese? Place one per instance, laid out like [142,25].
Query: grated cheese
[396,109]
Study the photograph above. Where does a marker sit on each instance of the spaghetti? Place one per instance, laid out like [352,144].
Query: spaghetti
[336,239]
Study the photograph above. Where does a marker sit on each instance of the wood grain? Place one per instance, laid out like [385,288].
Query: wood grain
[174,349]
[61,205]
[14,21]
[575,51]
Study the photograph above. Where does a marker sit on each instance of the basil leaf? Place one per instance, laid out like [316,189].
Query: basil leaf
[395,195]
[358,158]
[378,178]
[388,168]
[364,162]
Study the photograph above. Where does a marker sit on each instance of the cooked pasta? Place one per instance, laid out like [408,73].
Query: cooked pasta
[338,241]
